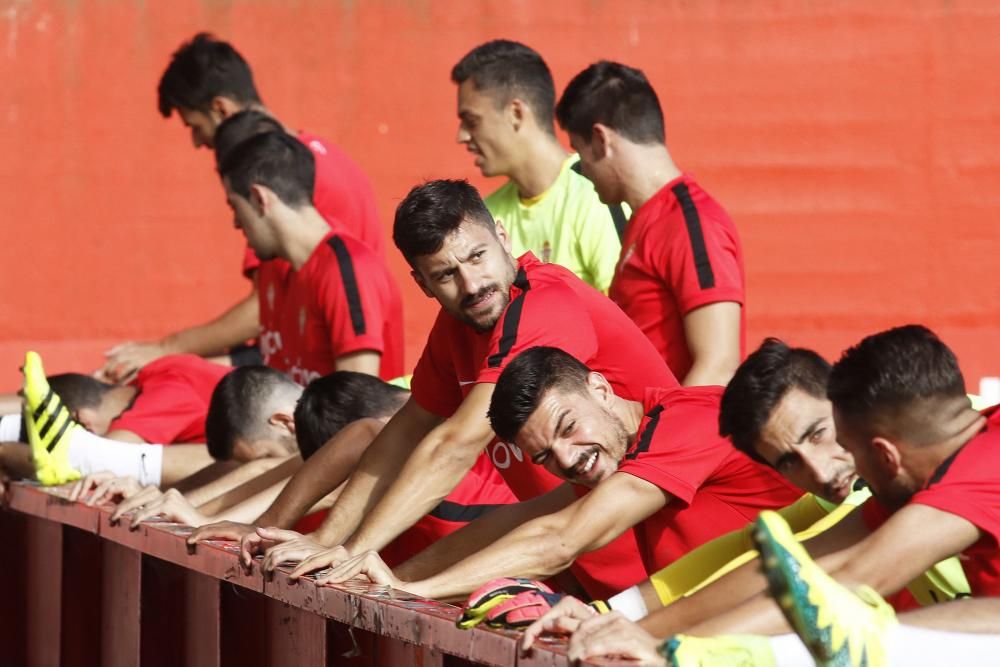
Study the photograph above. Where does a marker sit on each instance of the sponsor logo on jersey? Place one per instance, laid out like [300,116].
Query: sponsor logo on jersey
[546,252]
[504,453]
[302,320]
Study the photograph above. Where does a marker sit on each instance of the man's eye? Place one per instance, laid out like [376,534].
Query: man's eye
[817,435]
[568,429]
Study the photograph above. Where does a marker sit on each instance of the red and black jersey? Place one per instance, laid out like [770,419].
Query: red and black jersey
[680,252]
[342,300]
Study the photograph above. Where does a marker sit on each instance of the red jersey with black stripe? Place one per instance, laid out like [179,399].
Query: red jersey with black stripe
[714,487]
[680,252]
[342,300]
[967,484]
[173,398]
[549,306]
[341,192]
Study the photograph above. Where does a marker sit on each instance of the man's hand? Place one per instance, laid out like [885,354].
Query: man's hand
[368,565]
[172,506]
[135,501]
[613,634]
[563,618]
[244,533]
[126,359]
[102,487]
[290,547]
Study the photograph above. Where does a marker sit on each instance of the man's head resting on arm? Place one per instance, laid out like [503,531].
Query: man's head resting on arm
[251,415]
[94,404]
[776,411]
[206,81]
[333,401]
[899,398]
[561,414]
[458,254]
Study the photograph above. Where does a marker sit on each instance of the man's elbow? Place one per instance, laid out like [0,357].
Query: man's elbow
[712,369]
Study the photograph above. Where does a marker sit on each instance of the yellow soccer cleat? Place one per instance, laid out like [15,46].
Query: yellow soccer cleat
[49,425]
[721,651]
[840,628]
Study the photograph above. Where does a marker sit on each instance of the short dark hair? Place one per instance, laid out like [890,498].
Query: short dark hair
[432,211]
[760,383]
[333,401]
[524,382]
[614,95]
[512,70]
[275,160]
[236,407]
[202,69]
[238,128]
[79,391]
[890,371]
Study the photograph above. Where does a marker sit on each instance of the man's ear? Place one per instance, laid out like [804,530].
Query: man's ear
[419,280]
[601,139]
[224,107]
[887,454]
[517,112]
[600,387]
[261,198]
[504,237]
[283,420]
[86,417]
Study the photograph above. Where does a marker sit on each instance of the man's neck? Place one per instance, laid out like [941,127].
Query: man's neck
[925,461]
[538,166]
[630,413]
[646,169]
[118,400]
[299,237]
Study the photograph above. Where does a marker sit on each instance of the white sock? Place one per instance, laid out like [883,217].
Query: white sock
[789,651]
[10,428]
[910,645]
[91,453]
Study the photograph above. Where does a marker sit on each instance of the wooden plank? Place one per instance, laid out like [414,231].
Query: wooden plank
[202,620]
[120,606]
[43,578]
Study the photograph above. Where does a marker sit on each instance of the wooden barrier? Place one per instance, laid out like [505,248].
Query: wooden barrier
[81,591]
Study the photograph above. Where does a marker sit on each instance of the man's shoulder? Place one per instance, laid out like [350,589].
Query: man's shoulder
[676,400]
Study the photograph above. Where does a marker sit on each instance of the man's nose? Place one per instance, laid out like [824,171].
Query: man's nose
[463,136]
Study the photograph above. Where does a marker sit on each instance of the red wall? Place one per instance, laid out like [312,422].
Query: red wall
[855,143]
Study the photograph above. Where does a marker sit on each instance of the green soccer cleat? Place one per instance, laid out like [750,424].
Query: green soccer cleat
[721,651]
[49,425]
[840,628]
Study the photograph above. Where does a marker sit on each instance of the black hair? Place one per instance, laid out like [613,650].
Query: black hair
[759,384]
[524,382]
[614,95]
[238,128]
[511,69]
[432,211]
[202,69]
[892,370]
[333,401]
[79,391]
[235,411]
[274,160]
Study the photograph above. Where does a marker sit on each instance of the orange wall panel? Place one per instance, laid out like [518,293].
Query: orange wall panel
[855,144]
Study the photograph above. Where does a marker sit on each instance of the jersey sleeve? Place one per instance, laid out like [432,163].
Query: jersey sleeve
[702,254]
[350,299]
[552,316]
[434,385]
[678,451]
[161,412]
[977,503]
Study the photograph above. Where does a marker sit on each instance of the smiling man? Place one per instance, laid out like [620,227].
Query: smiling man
[506,99]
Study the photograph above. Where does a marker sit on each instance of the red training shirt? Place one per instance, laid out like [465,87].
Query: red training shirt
[549,306]
[173,398]
[342,300]
[341,192]
[715,487]
[680,252]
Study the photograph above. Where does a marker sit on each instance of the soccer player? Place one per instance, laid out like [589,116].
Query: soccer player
[680,276]
[505,108]
[206,82]
[492,307]
[658,464]
[332,305]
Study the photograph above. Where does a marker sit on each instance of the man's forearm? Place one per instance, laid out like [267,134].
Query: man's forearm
[237,325]
[430,473]
[246,481]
